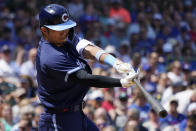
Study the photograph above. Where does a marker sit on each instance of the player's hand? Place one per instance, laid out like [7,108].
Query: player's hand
[122,67]
[129,79]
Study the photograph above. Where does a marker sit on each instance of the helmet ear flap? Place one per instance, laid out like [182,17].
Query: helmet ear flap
[71,34]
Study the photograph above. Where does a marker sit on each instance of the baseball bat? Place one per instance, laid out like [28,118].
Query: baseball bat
[154,103]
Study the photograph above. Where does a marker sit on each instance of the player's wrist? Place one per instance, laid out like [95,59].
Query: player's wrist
[110,60]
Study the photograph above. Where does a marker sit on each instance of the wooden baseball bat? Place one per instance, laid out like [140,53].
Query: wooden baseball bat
[153,102]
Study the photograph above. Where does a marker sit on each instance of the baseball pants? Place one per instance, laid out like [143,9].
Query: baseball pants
[66,121]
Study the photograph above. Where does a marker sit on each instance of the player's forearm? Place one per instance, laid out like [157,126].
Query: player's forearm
[90,51]
[94,52]
[100,55]
[85,78]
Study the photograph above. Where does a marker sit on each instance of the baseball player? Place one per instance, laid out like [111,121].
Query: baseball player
[64,77]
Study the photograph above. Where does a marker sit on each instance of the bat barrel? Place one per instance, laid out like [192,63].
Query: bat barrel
[153,102]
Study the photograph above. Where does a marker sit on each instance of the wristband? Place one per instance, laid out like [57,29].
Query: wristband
[110,60]
[98,54]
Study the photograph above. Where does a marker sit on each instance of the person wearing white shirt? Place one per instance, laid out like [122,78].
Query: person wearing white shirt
[5,58]
[176,75]
[28,67]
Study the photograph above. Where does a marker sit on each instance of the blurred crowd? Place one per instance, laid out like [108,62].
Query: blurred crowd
[159,36]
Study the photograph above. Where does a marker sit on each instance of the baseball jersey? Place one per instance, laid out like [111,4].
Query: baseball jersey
[54,65]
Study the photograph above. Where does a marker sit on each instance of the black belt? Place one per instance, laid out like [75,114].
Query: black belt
[73,108]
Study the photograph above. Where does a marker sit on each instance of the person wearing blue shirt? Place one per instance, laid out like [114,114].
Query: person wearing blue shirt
[173,117]
[188,124]
[143,107]
[64,76]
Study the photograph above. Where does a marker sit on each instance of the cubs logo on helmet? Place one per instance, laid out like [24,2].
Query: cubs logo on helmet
[55,17]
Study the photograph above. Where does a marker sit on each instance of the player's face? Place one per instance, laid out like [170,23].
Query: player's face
[56,37]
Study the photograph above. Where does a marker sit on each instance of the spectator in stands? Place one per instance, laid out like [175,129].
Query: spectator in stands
[6,116]
[25,124]
[108,103]
[157,22]
[88,18]
[18,59]
[190,111]
[153,123]
[175,75]
[101,118]
[19,95]
[89,112]
[141,22]
[191,120]
[136,60]
[28,67]
[124,51]
[173,117]
[27,83]
[163,83]
[76,8]
[145,44]
[140,104]
[119,13]
[119,34]
[134,123]
[5,59]
[119,117]
[165,33]
[37,112]
[154,66]
[95,99]
[6,39]
[170,91]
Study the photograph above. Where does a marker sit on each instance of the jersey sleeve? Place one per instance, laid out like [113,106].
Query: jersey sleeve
[80,44]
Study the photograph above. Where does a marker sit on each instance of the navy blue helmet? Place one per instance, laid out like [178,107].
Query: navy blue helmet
[55,17]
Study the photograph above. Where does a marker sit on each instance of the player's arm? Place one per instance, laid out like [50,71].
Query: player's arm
[83,77]
[90,51]
[94,52]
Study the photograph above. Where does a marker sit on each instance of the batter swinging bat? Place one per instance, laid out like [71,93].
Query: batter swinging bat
[154,103]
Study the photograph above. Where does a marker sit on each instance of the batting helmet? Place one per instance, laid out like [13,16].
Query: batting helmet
[55,17]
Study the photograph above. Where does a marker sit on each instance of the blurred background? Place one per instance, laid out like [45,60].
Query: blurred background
[158,35]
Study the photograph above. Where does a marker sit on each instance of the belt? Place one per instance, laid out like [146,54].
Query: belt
[73,108]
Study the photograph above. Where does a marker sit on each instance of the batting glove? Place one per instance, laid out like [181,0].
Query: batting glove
[123,67]
[129,79]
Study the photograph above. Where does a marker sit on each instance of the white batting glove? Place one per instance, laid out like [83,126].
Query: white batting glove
[129,79]
[123,67]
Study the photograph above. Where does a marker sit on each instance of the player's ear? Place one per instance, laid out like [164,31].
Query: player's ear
[43,29]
